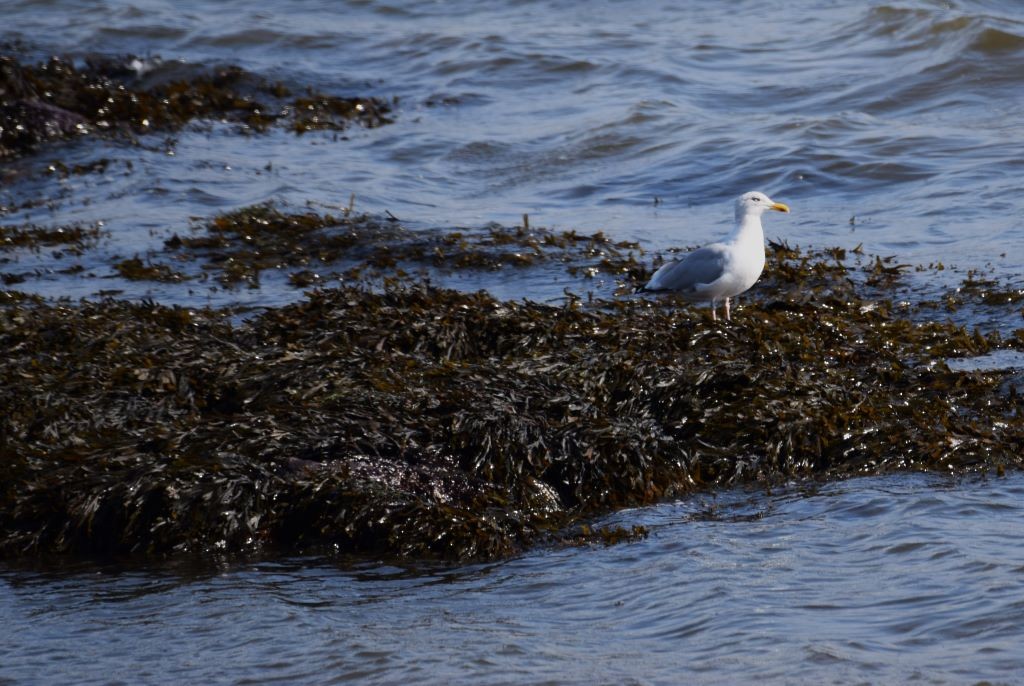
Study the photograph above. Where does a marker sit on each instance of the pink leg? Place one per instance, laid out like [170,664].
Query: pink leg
[714,315]
[727,315]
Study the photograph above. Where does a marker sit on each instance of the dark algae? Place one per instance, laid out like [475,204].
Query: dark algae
[68,240]
[410,420]
[238,246]
[136,269]
[60,99]
[73,237]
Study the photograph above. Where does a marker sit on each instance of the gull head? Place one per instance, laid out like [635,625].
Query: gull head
[756,203]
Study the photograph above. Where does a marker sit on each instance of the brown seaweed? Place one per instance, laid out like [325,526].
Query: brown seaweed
[75,237]
[135,269]
[58,100]
[238,245]
[419,421]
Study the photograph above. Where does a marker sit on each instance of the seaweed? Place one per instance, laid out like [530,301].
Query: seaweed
[240,244]
[76,237]
[986,290]
[418,421]
[135,269]
[58,100]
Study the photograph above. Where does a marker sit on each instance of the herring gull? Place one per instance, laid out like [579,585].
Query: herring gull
[726,269]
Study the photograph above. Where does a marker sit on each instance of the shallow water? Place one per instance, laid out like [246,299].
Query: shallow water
[878,580]
[895,126]
[891,126]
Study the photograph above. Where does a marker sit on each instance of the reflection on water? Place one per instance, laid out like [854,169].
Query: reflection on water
[883,580]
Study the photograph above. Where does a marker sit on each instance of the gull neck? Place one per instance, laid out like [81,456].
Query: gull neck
[748,228]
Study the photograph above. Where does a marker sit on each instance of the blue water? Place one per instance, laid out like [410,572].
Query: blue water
[892,125]
[894,579]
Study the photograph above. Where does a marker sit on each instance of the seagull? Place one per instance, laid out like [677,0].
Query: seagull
[726,269]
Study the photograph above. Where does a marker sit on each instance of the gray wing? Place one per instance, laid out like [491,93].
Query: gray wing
[703,265]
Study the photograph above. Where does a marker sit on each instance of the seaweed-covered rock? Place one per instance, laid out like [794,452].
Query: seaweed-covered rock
[240,244]
[420,421]
[59,99]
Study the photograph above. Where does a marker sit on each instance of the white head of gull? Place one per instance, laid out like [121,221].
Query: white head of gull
[722,270]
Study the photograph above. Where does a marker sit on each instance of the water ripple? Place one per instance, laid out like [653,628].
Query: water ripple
[881,579]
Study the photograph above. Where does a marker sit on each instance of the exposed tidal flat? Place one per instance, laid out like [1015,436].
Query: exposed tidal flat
[356,284]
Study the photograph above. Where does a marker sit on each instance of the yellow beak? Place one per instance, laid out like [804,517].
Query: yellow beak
[781,207]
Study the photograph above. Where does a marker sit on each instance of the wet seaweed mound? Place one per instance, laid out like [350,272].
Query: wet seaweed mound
[239,245]
[419,421]
[60,99]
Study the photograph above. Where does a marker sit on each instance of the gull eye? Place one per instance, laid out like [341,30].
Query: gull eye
[756,199]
